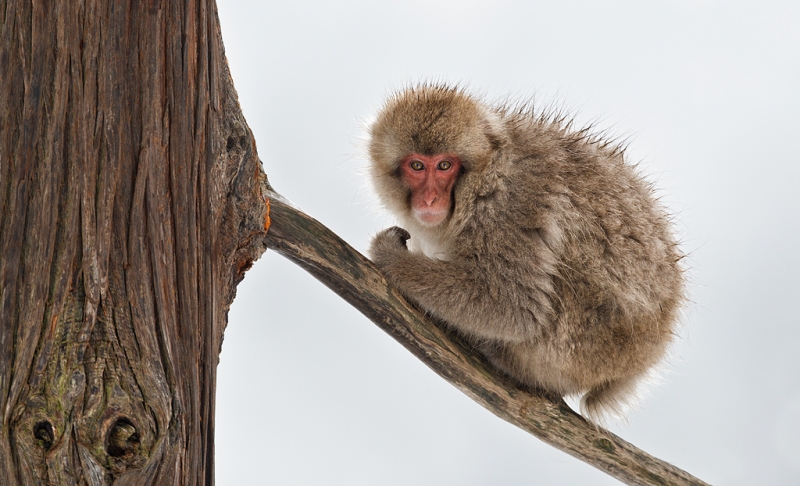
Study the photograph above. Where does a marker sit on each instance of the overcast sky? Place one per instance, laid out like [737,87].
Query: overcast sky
[707,93]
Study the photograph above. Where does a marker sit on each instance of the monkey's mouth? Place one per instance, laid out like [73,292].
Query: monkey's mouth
[430,218]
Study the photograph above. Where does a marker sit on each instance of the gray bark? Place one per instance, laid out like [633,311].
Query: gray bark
[315,248]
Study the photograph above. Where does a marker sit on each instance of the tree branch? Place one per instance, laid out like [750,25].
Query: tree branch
[352,276]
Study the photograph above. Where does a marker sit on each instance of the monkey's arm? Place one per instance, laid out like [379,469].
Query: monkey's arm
[488,299]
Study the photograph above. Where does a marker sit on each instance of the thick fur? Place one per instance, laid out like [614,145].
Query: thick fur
[557,262]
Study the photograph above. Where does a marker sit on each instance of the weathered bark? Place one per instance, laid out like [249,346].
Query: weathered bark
[332,261]
[131,203]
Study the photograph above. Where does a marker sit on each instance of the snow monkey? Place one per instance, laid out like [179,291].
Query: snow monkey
[540,245]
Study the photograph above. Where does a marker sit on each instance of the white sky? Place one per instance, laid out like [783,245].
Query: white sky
[708,92]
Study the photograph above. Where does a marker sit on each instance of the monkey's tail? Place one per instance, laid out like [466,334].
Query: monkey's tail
[611,400]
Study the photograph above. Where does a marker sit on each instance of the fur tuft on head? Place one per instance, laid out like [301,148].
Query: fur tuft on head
[432,119]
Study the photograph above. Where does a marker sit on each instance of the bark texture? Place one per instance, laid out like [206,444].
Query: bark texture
[131,203]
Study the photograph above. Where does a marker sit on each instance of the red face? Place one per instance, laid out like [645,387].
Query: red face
[431,179]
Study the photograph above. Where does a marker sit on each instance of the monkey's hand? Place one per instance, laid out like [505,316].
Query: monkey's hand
[387,245]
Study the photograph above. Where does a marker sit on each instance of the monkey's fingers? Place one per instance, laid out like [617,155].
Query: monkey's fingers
[399,233]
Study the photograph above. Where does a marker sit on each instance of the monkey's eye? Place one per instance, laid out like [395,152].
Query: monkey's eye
[444,165]
[417,165]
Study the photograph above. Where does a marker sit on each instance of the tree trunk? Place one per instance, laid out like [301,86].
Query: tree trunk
[131,203]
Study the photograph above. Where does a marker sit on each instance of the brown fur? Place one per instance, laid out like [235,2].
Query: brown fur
[556,262]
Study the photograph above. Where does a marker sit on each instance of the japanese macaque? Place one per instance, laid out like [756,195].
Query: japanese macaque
[540,245]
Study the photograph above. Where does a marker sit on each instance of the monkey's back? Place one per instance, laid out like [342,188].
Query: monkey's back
[600,238]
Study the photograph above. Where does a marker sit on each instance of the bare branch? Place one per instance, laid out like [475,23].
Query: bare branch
[352,276]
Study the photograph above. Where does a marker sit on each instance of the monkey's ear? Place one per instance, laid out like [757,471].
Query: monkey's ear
[493,129]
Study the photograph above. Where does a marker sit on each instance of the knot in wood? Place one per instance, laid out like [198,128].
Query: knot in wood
[123,438]
[44,434]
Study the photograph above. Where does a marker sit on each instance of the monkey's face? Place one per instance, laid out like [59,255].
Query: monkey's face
[430,179]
